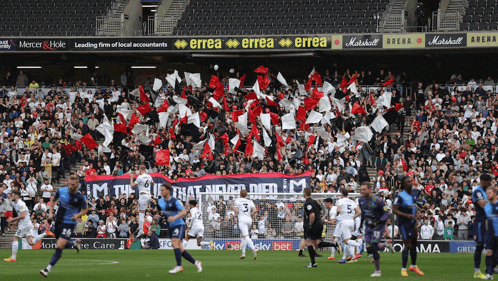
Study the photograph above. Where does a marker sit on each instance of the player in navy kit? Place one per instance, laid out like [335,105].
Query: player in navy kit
[480,200]
[374,214]
[405,208]
[173,209]
[72,205]
[491,210]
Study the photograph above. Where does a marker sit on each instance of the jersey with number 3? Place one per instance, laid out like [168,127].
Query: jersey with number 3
[245,207]
[195,217]
[143,182]
[347,209]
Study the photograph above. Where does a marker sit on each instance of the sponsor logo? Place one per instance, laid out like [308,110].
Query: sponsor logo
[404,41]
[48,45]
[366,42]
[7,45]
[232,245]
[482,39]
[423,247]
[445,40]
[88,243]
[282,246]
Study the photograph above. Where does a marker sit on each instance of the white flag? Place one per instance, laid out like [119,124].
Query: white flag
[135,92]
[320,131]
[266,138]
[242,124]
[339,104]
[139,128]
[266,120]
[363,134]
[258,151]
[232,84]
[193,79]
[199,145]
[211,142]
[287,104]
[194,119]
[328,88]
[288,121]
[281,79]
[172,77]
[107,130]
[256,89]
[163,119]
[159,101]
[387,99]
[314,117]
[324,104]
[342,138]
[379,123]
[180,100]
[184,110]
[214,102]
[75,136]
[353,88]
[302,91]
[157,84]
[235,139]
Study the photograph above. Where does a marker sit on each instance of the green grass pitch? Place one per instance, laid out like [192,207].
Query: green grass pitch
[94,265]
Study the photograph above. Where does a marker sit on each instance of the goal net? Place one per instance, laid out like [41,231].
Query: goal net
[278,224]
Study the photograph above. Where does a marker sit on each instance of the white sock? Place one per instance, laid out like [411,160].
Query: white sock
[332,252]
[184,243]
[39,237]
[141,220]
[204,243]
[353,243]
[351,251]
[345,252]
[243,245]
[360,241]
[250,244]
[49,268]
[15,246]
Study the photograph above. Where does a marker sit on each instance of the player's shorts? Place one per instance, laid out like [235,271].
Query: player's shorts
[143,202]
[480,231]
[8,214]
[245,226]
[345,229]
[357,231]
[407,231]
[25,230]
[196,231]
[315,232]
[491,242]
[177,231]
[374,234]
[64,230]
[337,230]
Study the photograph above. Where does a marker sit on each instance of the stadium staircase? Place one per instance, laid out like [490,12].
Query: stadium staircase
[6,241]
[112,23]
[163,24]
[393,20]
[450,15]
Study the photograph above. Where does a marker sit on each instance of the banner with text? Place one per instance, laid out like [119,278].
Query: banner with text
[184,188]
[445,40]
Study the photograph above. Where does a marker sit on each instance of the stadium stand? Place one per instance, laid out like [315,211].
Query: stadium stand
[50,17]
[480,15]
[218,17]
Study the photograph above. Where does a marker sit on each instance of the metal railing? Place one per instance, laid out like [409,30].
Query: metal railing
[393,20]
[164,25]
[107,26]
[449,21]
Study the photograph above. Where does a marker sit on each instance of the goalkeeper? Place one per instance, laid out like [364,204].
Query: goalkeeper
[374,213]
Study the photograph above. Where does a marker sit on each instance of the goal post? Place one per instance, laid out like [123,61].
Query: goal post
[278,224]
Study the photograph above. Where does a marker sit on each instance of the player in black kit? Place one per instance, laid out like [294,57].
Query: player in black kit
[312,225]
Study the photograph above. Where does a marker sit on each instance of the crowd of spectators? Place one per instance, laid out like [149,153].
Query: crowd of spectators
[451,140]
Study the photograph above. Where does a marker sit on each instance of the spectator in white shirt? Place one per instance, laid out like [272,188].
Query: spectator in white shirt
[463,229]
[47,189]
[426,231]
[390,230]
[40,205]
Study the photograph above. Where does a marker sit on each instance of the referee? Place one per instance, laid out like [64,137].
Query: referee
[312,225]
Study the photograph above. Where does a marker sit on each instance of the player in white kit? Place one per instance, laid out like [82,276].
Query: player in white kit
[245,209]
[332,215]
[347,211]
[195,227]
[25,226]
[144,182]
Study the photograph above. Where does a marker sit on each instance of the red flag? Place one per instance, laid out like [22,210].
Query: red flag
[263,81]
[183,96]
[251,96]
[236,147]
[120,128]
[288,139]
[90,172]
[261,70]
[311,141]
[214,82]
[279,154]
[317,95]
[352,80]
[255,132]
[133,120]
[249,148]
[398,106]
[304,126]
[162,157]
[143,96]
[121,117]
[224,138]
[164,107]
[73,148]
[89,142]
[270,102]
[207,153]
[310,103]
[280,141]
[242,79]
[344,83]
[274,119]
[225,104]
[254,113]
[171,132]
[157,141]
[358,109]
[387,83]
[307,87]
[203,116]
[306,161]
[235,115]
[317,78]
[144,109]
[301,113]
[78,144]
[372,101]
[184,119]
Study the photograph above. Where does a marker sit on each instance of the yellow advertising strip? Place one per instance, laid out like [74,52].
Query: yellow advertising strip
[403,41]
[482,39]
[336,42]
